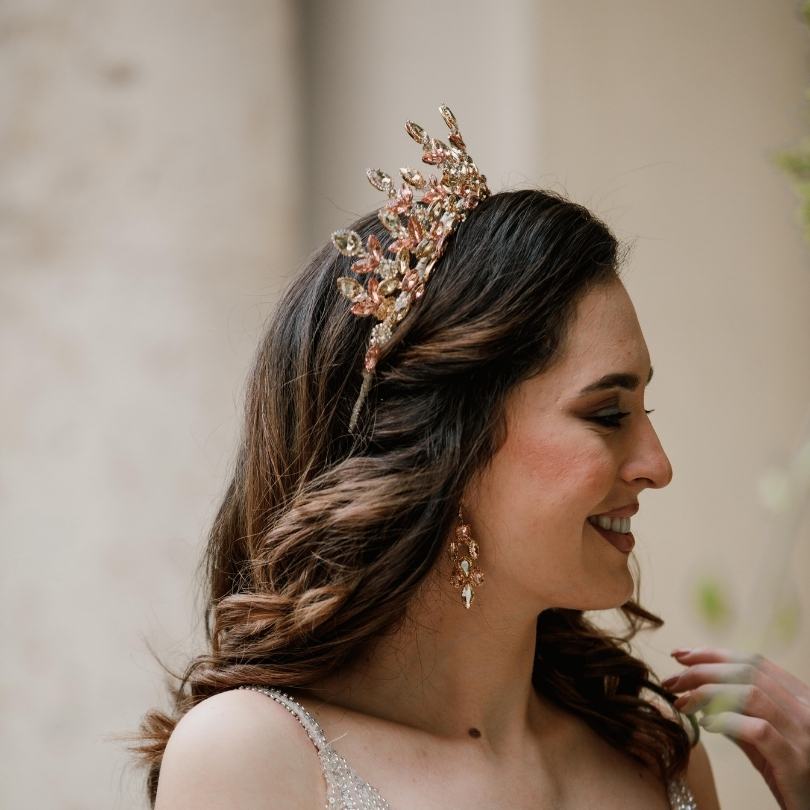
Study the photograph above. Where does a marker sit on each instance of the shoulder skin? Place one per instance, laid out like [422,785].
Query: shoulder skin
[240,750]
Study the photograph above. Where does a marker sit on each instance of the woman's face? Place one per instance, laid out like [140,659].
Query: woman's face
[560,464]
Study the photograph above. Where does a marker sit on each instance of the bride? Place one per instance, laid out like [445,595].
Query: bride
[421,517]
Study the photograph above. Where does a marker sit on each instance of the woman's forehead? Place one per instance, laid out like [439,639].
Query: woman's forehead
[604,340]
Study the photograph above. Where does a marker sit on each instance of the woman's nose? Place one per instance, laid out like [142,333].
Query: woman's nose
[649,461]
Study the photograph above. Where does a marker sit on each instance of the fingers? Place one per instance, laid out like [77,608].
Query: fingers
[758,705]
[710,655]
[752,731]
[743,698]
[729,666]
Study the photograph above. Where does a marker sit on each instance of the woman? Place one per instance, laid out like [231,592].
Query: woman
[401,562]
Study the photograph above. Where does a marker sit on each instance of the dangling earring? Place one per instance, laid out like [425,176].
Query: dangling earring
[465,572]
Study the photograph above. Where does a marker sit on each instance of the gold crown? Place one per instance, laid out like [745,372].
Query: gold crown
[394,283]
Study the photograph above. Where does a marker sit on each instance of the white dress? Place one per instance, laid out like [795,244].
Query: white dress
[345,790]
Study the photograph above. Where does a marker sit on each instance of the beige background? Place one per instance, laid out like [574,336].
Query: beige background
[166,167]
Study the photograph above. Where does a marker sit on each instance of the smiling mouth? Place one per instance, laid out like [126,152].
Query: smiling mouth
[617,524]
[623,542]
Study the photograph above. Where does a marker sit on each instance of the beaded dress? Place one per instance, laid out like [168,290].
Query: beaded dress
[345,790]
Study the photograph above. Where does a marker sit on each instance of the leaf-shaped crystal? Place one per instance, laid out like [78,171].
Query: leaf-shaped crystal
[373,246]
[403,260]
[412,177]
[387,269]
[388,286]
[349,287]
[416,132]
[347,242]
[380,180]
[390,220]
[456,139]
[448,116]
[425,248]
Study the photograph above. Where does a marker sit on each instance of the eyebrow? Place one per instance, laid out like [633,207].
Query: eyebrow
[622,380]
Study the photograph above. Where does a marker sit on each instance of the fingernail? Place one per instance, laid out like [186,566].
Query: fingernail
[671,681]
[681,651]
[681,700]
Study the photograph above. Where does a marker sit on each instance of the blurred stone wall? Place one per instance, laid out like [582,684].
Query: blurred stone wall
[149,210]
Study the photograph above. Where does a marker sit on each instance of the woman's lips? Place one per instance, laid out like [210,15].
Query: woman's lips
[623,542]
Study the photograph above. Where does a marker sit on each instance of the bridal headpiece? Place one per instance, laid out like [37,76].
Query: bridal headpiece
[419,228]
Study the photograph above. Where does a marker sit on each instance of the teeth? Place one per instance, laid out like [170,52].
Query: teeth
[621,525]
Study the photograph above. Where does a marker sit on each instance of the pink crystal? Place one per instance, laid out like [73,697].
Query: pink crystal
[409,280]
[374,246]
[371,358]
[366,265]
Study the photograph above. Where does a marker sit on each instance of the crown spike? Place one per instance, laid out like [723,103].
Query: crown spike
[416,132]
[380,180]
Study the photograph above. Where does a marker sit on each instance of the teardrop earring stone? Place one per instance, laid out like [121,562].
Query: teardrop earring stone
[467,595]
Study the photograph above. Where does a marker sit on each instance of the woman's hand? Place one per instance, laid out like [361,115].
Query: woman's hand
[762,708]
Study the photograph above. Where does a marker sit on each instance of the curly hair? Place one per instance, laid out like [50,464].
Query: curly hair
[323,536]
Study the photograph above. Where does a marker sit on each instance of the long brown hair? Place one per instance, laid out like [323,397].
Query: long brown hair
[324,536]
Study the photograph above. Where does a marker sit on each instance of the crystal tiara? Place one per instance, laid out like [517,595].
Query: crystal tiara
[419,230]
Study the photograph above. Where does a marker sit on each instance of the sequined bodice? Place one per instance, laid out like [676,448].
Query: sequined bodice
[345,790]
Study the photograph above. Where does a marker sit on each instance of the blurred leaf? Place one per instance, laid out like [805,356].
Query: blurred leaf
[713,603]
[795,161]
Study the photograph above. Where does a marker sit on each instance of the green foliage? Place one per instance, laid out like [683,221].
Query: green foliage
[796,162]
[712,602]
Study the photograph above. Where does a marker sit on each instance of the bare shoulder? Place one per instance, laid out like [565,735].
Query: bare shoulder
[700,779]
[240,750]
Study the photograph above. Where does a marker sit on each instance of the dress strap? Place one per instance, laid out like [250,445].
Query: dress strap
[310,724]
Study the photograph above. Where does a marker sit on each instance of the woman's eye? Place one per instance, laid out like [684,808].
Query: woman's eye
[613,420]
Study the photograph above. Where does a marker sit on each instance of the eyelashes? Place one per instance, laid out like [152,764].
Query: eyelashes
[613,420]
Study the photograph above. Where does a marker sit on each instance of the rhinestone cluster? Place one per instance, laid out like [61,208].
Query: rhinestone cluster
[419,229]
[465,572]
[679,795]
[345,790]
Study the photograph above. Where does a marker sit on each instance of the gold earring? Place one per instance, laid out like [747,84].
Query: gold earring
[465,572]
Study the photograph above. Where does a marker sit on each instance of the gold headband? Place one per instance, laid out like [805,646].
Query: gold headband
[395,283]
